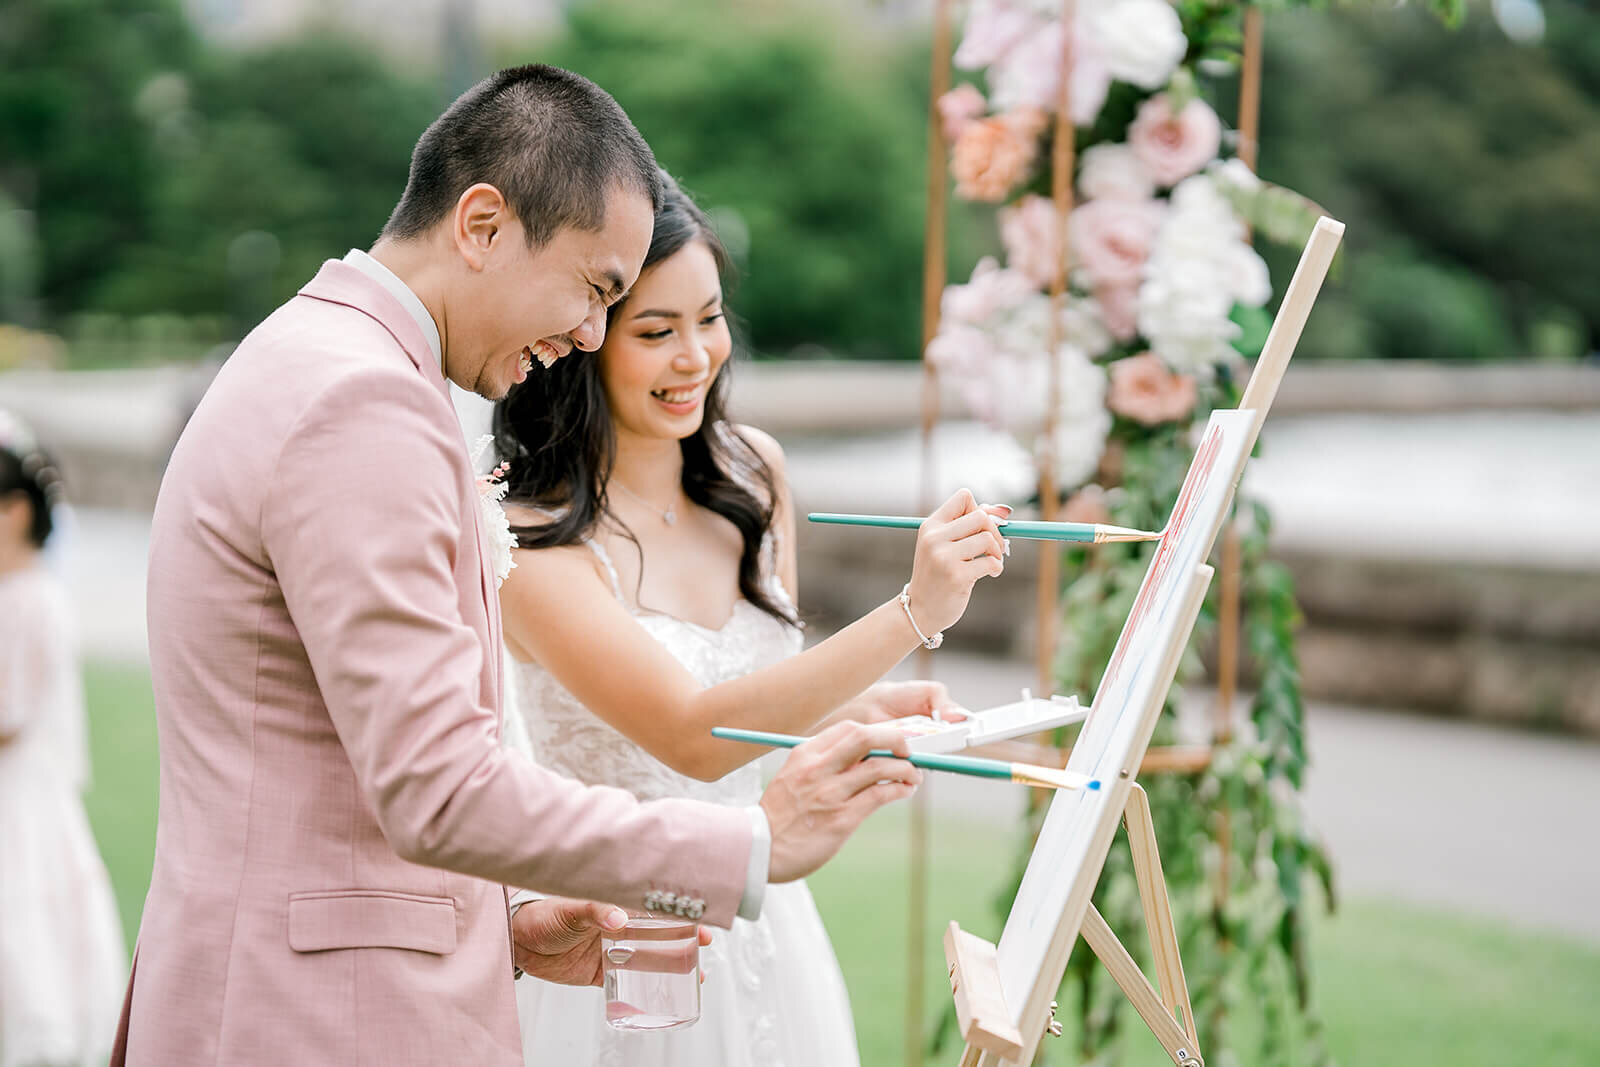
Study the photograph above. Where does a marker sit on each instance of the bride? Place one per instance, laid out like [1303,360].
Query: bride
[654,598]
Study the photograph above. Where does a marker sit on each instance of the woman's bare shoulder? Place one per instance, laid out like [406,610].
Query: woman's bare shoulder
[762,443]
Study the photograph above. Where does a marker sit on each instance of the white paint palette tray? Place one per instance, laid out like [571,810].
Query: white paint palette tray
[1030,715]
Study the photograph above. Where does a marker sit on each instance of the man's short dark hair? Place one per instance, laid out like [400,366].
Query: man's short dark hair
[553,142]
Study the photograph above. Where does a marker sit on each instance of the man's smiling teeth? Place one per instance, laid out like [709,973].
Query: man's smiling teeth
[543,352]
[525,362]
[676,396]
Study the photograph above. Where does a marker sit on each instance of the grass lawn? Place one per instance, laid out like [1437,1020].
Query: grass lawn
[1397,985]
[122,799]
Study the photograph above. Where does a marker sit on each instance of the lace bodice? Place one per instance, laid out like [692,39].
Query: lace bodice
[775,997]
[544,719]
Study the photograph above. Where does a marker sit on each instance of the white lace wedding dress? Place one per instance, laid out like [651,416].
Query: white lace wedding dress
[774,996]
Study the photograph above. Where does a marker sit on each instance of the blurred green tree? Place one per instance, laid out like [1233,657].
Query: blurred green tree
[276,159]
[804,136]
[1464,165]
[74,148]
[160,174]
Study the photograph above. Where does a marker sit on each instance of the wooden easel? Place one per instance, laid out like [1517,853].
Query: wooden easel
[983,1016]
[975,986]
[997,1032]
[981,1013]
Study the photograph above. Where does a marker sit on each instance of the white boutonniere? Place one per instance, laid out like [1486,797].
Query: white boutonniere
[492,490]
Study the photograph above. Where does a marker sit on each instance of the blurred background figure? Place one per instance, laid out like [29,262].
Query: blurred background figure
[61,954]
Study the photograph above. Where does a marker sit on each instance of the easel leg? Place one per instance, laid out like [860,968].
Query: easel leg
[1157,910]
[1132,981]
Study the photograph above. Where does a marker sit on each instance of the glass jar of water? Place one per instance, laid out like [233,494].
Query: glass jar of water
[652,974]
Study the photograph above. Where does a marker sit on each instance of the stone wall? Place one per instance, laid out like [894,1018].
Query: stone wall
[1509,643]
[1502,644]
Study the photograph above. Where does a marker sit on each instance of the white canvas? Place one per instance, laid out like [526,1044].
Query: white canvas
[1123,715]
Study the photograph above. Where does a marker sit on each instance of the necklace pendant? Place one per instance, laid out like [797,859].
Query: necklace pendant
[669,517]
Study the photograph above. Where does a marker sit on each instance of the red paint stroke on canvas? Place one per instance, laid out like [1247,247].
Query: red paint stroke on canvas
[1193,488]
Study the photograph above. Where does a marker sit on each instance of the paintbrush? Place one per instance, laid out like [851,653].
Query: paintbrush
[1098,533]
[1026,773]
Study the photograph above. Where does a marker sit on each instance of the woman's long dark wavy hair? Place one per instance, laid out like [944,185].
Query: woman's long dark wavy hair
[555,432]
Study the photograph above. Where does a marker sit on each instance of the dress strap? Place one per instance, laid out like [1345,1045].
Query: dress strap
[604,557]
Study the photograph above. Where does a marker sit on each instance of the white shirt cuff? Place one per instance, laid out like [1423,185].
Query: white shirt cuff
[520,897]
[755,877]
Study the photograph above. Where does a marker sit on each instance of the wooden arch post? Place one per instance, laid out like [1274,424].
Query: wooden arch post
[934,273]
[1231,569]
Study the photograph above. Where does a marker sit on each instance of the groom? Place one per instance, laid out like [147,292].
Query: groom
[338,821]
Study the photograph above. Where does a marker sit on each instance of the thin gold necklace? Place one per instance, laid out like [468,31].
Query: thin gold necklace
[668,516]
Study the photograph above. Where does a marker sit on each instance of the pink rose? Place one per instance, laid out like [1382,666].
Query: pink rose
[959,108]
[1111,239]
[1145,390]
[1172,147]
[992,155]
[1028,231]
[1088,504]
[1119,309]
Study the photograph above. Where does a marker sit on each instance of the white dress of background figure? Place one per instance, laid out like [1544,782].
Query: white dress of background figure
[774,996]
[62,963]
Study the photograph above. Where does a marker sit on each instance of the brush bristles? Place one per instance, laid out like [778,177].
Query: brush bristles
[1052,778]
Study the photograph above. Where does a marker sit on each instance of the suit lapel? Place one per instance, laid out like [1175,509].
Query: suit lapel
[340,283]
[491,601]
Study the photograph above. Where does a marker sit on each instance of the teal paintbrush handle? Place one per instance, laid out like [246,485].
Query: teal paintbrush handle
[973,765]
[757,737]
[1030,530]
[888,522]
[1048,531]
[982,768]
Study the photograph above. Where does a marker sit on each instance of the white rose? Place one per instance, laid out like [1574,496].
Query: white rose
[1248,278]
[1083,326]
[1114,172]
[1082,421]
[1142,40]
[1199,267]
[1235,175]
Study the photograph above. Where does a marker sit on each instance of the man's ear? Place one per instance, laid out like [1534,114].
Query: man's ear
[481,218]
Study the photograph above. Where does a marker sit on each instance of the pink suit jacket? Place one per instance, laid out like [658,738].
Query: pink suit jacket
[338,821]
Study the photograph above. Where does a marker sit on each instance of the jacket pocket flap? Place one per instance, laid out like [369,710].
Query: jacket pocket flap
[371,918]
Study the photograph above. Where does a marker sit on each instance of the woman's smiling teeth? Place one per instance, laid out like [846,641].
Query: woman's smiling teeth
[677,397]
